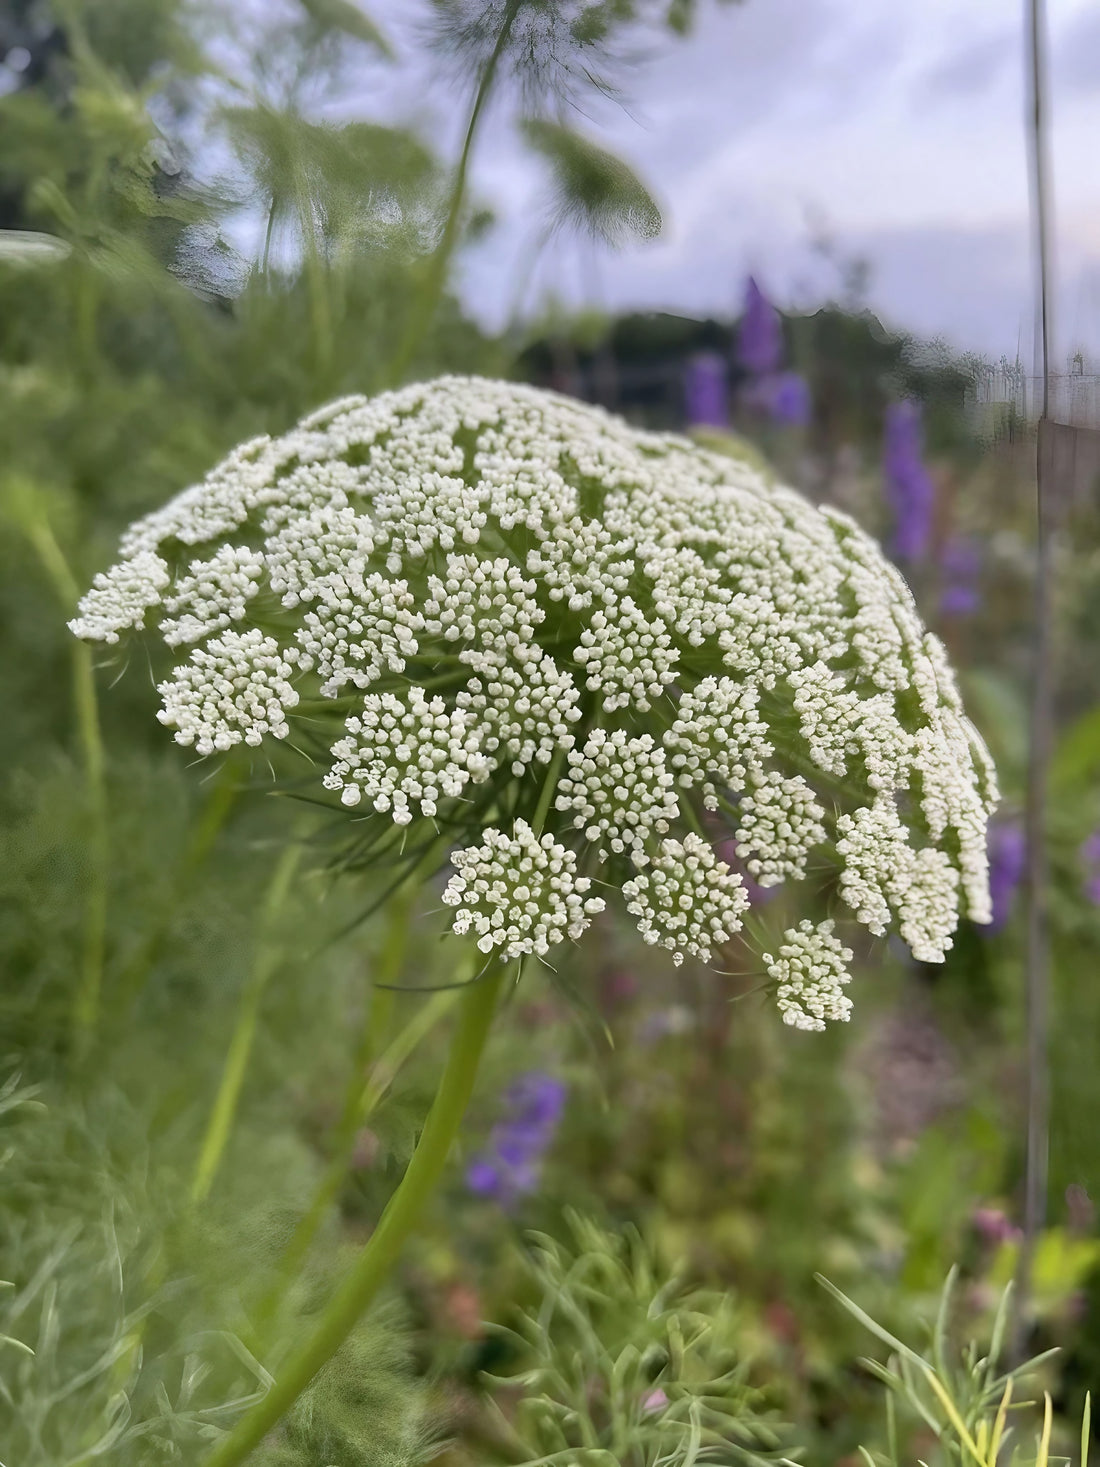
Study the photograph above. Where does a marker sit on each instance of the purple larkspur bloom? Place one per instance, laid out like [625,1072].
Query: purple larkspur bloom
[909,488]
[760,338]
[786,397]
[961,564]
[1090,859]
[509,1167]
[706,391]
[1007,846]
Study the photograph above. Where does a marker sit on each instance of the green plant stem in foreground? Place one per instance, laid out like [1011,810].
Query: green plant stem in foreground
[240,1046]
[366,1087]
[216,810]
[86,1002]
[401,1216]
[427,300]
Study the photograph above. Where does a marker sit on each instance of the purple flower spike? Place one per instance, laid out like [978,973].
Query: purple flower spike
[909,486]
[1007,858]
[706,391]
[509,1167]
[790,403]
[961,563]
[760,339]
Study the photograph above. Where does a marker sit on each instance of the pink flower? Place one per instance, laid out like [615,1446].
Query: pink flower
[994,1225]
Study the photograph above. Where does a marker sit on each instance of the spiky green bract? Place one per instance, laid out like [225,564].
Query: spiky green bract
[968,1395]
[472,602]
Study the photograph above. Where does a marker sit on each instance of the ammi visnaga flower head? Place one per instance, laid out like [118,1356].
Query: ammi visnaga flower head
[571,653]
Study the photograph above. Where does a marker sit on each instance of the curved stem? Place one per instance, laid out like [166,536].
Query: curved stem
[240,1046]
[88,995]
[400,1217]
[205,830]
[94,937]
[427,301]
[362,1093]
[363,1098]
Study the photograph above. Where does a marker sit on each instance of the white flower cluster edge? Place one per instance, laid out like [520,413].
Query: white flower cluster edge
[497,576]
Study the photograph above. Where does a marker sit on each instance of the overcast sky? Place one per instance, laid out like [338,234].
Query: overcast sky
[897,128]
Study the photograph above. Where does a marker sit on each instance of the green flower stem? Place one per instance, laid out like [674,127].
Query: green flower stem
[428,297]
[364,1090]
[240,1046]
[403,1212]
[86,1002]
[89,992]
[212,817]
[364,1099]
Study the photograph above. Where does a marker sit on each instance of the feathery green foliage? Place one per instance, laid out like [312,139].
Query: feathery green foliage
[594,192]
[622,1366]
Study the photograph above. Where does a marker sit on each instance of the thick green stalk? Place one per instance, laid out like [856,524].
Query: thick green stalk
[401,1216]
[428,297]
[240,1046]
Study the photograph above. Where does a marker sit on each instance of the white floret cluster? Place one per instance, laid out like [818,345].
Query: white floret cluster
[496,601]
[520,893]
[686,900]
[810,972]
[236,688]
[121,596]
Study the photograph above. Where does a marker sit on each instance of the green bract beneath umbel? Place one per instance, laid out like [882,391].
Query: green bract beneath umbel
[579,647]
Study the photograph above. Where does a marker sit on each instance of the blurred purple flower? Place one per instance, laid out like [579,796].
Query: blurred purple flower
[760,339]
[1090,859]
[1008,851]
[1007,846]
[994,1226]
[909,488]
[961,564]
[791,403]
[509,1166]
[784,397]
[706,391]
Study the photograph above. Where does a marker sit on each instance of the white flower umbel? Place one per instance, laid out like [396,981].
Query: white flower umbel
[717,737]
[619,791]
[811,970]
[400,754]
[686,900]
[216,592]
[520,894]
[120,597]
[236,688]
[357,630]
[495,603]
[780,823]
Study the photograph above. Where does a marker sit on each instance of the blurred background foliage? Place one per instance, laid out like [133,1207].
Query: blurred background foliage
[713,1161]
